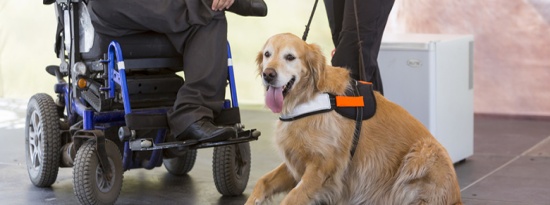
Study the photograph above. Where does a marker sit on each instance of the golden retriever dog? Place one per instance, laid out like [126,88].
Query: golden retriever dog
[397,160]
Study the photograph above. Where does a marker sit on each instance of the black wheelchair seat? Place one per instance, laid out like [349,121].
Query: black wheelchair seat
[151,64]
[141,45]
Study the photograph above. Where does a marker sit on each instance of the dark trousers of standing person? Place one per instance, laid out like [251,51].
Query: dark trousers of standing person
[372,16]
[196,31]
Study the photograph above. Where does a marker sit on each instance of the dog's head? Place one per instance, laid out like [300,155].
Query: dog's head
[292,71]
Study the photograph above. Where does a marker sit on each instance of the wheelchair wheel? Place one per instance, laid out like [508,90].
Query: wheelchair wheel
[181,165]
[42,140]
[231,168]
[90,185]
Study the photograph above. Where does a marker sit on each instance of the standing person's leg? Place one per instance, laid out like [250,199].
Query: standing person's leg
[335,14]
[372,15]
[201,98]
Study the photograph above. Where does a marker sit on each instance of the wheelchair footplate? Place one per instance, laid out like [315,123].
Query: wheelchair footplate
[145,144]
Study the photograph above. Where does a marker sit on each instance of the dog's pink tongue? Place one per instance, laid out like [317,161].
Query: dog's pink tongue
[274,99]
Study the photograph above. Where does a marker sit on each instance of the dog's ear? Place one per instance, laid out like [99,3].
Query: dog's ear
[259,60]
[316,62]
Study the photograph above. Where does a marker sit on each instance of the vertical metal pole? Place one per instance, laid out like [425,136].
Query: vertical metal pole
[231,77]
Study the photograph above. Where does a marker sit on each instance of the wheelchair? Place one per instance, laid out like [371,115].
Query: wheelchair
[109,115]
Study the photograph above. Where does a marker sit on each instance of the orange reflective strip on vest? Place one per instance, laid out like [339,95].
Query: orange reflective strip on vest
[349,101]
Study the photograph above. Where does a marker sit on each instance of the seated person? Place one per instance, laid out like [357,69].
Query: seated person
[198,30]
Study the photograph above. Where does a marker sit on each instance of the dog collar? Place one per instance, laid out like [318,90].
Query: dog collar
[319,104]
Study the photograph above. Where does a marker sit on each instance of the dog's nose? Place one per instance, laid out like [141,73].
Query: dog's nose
[269,75]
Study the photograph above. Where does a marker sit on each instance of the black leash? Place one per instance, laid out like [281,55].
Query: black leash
[304,37]
[359,110]
[362,76]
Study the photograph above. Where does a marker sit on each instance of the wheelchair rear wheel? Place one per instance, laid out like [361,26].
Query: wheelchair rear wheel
[42,140]
[231,168]
[90,184]
[181,165]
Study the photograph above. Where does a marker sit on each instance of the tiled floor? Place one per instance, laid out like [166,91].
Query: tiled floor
[510,166]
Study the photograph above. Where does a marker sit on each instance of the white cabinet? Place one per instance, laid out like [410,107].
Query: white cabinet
[432,77]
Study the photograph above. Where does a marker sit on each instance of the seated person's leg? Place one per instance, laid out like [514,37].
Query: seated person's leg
[201,35]
[124,17]
[201,98]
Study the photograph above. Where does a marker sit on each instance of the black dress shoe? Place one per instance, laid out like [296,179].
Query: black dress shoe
[249,8]
[204,130]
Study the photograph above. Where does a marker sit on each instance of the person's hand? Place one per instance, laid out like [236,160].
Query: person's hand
[218,5]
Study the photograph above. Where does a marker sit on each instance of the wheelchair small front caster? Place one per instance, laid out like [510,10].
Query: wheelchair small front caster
[231,168]
[91,185]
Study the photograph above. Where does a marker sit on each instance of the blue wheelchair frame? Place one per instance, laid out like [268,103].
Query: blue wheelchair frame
[93,114]
[100,120]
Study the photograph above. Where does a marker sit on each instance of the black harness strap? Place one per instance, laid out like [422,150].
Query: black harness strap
[308,114]
[358,122]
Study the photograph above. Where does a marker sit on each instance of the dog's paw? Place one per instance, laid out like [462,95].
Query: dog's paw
[254,201]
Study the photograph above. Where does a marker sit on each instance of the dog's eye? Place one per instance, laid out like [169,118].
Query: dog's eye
[289,57]
[267,54]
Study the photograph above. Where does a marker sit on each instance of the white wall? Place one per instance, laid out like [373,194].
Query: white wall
[27,31]
[511,47]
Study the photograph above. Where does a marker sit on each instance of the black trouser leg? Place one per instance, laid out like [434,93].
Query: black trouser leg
[372,16]
[123,17]
[335,17]
[205,70]
[196,31]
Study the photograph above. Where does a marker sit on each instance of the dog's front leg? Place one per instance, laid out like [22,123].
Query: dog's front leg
[311,184]
[278,180]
